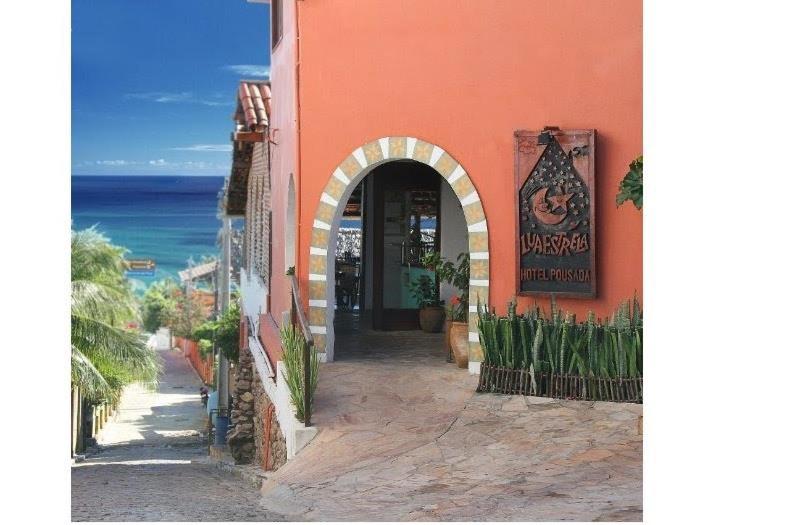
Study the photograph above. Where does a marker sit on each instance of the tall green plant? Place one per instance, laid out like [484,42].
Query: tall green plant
[294,371]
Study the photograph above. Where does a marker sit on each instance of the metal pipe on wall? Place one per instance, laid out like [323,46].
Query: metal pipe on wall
[222,418]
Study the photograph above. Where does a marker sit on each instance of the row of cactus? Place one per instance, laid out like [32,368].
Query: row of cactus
[556,343]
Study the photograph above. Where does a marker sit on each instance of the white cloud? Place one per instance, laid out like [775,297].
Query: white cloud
[188,164]
[162,96]
[206,147]
[250,70]
[183,97]
[206,102]
[113,162]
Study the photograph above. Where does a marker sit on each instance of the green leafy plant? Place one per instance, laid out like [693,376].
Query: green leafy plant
[294,372]
[159,305]
[425,292]
[631,187]
[458,275]
[224,331]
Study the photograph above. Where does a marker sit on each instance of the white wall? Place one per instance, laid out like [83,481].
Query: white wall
[296,434]
[253,296]
[454,233]
[163,339]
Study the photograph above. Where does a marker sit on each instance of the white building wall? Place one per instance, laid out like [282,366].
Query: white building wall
[296,434]
[253,296]
[454,233]
[163,339]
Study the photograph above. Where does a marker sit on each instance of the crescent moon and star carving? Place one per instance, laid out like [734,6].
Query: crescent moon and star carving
[554,195]
[550,210]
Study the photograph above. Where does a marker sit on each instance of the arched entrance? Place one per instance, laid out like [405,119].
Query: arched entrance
[342,182]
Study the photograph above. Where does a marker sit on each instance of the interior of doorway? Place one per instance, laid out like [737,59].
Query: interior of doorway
[398,212]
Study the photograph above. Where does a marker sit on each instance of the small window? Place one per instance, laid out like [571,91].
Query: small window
[277,22]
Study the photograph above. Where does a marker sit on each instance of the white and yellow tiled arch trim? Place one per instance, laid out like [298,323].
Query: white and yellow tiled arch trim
[346,175]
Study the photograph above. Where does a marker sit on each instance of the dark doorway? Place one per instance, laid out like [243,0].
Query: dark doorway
[406,226]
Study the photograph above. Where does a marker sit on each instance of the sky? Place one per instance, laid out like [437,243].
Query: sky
[154,83]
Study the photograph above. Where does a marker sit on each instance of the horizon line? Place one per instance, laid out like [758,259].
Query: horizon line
[143,175]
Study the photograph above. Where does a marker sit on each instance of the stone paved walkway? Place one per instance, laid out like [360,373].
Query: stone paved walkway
[153,462]
[404,437]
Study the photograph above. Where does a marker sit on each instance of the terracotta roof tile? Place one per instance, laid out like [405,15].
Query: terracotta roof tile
[252,113]
[254,105]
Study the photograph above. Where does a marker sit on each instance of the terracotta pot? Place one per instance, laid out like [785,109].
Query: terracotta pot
[431,318]
[458,340]
[447,347]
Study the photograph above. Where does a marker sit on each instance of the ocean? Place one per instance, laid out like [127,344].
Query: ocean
[165,218]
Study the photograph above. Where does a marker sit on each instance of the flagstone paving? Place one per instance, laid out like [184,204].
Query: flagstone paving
[403,436]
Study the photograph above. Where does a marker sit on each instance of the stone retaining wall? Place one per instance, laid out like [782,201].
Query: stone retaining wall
[249,419]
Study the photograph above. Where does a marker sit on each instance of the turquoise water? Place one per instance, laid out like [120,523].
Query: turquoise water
[165,218]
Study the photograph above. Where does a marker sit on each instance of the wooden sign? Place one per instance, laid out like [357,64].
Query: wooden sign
[139,267]
[556,213]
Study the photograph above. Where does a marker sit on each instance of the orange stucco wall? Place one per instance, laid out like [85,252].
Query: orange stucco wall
[283,124]
[464,75]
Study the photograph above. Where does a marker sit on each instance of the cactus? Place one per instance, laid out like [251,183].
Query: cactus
[608,348]
[563,347]
[537,344]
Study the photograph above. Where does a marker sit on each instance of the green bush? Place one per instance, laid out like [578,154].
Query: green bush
[557,344]
[224,330]
[159,305]
[294,373]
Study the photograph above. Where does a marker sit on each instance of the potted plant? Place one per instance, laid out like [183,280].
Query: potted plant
[431,313]
[457,335]
[457,311]
[447,328]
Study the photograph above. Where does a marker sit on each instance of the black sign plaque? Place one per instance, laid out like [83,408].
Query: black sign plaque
[556,218]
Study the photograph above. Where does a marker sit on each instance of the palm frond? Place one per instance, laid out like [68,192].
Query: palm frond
[102,301]
[106,344]
[85,374]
